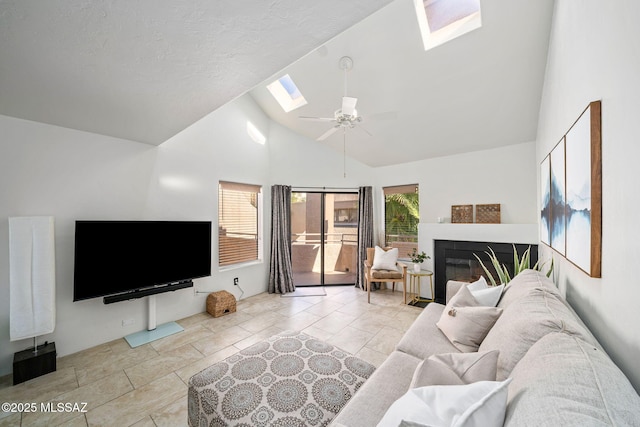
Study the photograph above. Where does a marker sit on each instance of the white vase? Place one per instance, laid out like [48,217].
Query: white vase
[416,267]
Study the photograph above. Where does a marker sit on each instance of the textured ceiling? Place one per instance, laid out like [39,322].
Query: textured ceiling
[479,91]
[146,69]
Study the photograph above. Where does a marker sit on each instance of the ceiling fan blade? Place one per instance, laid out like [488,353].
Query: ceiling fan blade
[316,119]
[328,133]
[349,105]
[363,129]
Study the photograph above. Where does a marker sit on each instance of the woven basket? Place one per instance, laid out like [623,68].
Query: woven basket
[220,303]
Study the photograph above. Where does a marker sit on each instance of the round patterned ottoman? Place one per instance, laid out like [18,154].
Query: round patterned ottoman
[291,379]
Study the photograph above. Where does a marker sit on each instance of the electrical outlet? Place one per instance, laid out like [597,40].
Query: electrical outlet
[235,281]
[128,322]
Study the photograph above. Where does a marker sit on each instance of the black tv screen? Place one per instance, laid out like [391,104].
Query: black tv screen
[113,257]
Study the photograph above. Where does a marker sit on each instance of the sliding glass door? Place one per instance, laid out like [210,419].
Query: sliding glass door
[324,235]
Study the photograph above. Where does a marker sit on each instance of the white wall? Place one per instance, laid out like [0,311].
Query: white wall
[505,175]
[48,170]
[595,54]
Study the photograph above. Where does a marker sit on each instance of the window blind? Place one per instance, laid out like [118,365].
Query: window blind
[237,223]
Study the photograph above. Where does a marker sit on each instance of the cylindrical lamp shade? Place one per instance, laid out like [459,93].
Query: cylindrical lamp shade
[32,277]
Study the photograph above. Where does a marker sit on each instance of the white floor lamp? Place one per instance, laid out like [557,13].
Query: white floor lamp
[32,293]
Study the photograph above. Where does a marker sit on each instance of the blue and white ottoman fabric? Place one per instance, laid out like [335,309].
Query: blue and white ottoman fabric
[291,379]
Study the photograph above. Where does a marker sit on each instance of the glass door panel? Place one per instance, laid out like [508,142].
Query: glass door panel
[324,232]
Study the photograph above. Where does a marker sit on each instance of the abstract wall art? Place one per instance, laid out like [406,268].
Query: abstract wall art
[571,193]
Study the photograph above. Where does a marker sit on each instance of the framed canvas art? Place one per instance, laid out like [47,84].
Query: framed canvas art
[557,212]
[583,191]
[545,201]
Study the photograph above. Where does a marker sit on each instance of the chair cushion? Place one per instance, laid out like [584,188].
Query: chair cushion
[386,274]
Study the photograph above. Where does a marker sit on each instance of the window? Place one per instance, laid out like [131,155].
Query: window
[285,91]
[401,217]
[443,20]
[239,228]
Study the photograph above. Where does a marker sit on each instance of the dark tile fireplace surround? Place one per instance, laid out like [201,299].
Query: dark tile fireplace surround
[454,260]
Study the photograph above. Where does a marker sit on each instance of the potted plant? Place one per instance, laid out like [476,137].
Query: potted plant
[417,259]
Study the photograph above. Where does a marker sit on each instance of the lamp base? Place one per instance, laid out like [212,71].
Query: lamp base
[28,364]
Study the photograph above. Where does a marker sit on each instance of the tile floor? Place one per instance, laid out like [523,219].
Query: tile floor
[147,385]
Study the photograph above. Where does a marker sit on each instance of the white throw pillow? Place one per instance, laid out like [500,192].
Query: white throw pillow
[385,260]
[456,369]
[479,284]
[480,404]
[483,293]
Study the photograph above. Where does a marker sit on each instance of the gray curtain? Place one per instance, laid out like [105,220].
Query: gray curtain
[280,276]
[365,231]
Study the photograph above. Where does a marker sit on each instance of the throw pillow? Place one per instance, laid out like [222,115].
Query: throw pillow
[385,260]
[478,404]
[456,369]
[488,296]
[466,327]
[479,284]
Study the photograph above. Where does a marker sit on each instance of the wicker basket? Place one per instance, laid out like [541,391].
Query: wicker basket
[220,303]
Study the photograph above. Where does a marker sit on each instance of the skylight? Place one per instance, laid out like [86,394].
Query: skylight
[285,91]
[443,20]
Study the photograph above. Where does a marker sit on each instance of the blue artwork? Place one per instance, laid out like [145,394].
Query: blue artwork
[545,201]
[557,209]
[578,211]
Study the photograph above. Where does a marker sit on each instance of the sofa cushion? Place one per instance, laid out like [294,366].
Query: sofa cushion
[481,403]
[456,369]
[566,381]
[390,381]
[423,338]
[520,285]
[523,322]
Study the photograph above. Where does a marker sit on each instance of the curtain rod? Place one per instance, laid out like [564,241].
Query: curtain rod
[324,188]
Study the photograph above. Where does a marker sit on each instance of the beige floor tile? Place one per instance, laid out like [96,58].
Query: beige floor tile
[324,308]
[385,341]
[262,321]
[374,357]
[8,419]
[145,422]
[293,306]
[299,321]
[257,337]
[179,339]
[79,421]
[111,363]
[173,415]
[188,371]
[167,362]
[196,319]
[222,339]
[318,333]
[41,389]
[93,395]
[335,322]
[351,339]
[217,324]
[372,322]
[139,403]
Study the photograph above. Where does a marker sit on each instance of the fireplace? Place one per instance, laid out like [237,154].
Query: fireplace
[455,260]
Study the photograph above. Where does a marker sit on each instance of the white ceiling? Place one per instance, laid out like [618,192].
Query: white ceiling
[144,70]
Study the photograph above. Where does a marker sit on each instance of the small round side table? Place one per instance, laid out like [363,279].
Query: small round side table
[414,285]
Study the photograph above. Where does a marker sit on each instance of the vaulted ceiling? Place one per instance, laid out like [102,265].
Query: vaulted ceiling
[145,70]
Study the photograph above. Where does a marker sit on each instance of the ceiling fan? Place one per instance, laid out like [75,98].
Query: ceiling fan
[346,117]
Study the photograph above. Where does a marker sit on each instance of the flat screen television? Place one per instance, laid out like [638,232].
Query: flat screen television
[116,257]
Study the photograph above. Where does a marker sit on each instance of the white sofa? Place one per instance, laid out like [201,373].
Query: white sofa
[560,375]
